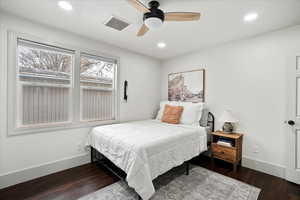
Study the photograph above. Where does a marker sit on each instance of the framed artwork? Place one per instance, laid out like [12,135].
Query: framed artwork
[187,86]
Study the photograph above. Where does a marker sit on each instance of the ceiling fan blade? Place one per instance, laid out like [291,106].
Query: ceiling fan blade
[144,29]
[182,16]
[139,5]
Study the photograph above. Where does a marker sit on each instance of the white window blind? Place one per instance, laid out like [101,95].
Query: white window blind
[44,84]
[97,78]
[53,87]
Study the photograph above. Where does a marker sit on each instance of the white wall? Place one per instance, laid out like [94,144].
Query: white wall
[249,78]
[23,157]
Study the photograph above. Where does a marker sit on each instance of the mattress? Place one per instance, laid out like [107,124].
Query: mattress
[147,149]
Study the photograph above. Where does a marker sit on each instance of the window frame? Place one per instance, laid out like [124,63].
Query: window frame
[75,121]
[18,111]
[105,59]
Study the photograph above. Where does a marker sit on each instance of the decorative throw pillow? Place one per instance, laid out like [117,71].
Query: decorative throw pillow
[172,114]
[191,115]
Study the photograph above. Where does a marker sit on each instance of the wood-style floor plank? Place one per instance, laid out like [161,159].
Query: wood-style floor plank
[79,181]
[66,185]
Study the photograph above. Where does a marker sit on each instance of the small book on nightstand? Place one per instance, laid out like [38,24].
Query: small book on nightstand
[225,142]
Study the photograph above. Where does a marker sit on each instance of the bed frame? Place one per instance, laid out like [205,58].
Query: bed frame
[96,156]
[211,121]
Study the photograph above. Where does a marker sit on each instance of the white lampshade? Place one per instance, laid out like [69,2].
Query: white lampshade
[153,22]
[228,117]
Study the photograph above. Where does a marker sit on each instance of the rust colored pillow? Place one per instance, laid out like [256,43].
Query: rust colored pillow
[172,114]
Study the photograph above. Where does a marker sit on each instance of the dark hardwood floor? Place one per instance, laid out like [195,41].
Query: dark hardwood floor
[76,182]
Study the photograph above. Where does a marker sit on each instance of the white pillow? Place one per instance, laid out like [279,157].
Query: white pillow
[191,114]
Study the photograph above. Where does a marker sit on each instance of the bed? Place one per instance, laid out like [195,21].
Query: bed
[143,150]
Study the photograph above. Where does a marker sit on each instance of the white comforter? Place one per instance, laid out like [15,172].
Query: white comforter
[147,149]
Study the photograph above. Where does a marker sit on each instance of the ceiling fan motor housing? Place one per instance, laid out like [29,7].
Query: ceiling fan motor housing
[155,11]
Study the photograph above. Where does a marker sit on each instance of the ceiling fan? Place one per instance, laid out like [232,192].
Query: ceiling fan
[154,17]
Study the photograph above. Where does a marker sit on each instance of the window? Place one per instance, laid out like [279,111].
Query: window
[57,87]
[97,88]
[44,81]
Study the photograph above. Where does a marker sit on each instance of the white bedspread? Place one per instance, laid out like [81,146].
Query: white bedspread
[147,149]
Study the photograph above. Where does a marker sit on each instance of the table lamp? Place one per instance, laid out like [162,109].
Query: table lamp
[228,119]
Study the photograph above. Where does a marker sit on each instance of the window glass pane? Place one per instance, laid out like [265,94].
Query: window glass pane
[44,84]
[97,88]
[40,65]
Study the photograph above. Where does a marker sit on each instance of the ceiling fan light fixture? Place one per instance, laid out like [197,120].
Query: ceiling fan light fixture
[154,17]
[153,22]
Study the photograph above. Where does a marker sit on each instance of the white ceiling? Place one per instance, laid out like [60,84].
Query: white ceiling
[221,21]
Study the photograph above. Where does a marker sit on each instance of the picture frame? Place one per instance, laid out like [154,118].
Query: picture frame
[187,86]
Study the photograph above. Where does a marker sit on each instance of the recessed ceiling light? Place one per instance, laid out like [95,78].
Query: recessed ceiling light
[161,45]
[65,5]
[250,17]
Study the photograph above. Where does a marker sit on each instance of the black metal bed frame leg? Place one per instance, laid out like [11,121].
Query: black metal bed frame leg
[92,154]
[187,168]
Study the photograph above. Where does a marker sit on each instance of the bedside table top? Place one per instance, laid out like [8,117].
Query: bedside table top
[228,135]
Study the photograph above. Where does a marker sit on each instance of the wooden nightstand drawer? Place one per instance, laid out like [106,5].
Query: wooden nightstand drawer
[224,153]
[229,154]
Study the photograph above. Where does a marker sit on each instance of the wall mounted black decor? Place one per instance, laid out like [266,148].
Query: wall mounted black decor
[125,90]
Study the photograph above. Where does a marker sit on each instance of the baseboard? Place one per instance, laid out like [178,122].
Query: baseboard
[24,175]
[262,166]
[20,176]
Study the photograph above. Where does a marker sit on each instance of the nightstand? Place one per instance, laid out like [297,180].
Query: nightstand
[232,154]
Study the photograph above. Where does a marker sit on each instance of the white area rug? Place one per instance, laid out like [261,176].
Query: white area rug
[200,184]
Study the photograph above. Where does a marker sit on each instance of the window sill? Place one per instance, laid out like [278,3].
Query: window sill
[58,127]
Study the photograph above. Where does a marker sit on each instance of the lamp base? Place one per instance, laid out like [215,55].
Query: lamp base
[227,127]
